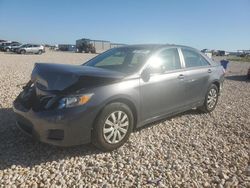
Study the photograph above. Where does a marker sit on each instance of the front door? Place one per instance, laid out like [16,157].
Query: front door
[163,93]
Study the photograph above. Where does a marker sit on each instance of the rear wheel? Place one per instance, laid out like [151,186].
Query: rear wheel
[7,50]
[211,99]
[113,127]
[22,52]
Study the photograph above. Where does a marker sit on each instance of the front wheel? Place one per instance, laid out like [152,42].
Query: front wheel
[211,99]
[113,127]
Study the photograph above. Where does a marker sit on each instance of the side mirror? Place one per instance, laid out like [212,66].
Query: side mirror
[145,75]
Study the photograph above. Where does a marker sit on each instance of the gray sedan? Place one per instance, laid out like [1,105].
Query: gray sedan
[105,99]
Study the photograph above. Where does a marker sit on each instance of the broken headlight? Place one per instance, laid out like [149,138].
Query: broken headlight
[71,101]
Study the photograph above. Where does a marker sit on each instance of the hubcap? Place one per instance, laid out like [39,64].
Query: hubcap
[115,127]
[212,98]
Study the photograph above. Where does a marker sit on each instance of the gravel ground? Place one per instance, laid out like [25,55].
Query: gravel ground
[188,150]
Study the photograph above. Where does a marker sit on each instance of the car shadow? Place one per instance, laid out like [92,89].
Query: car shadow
[18,149]
[238,78]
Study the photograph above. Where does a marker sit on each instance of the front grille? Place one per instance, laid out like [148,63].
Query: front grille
[40,102]
[26,97]
[33,97]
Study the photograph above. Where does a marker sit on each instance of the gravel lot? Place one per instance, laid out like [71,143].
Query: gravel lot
[188,150]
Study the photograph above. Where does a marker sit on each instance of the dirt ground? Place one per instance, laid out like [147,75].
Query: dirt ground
[188,150]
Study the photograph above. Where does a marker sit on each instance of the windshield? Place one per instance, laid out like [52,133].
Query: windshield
[127,60]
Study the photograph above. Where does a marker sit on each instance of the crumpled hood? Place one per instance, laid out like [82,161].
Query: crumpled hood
[61,77]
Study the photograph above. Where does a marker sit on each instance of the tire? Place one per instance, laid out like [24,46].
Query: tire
[22,52]
[39,52]
[7,50]
[125,121]
[212,96]
[87,50]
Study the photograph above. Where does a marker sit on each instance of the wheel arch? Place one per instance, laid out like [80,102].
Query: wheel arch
[217,83]
[22,50]
[124,100]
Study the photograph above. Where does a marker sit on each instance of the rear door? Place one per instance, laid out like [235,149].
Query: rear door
[163,93]
[197,71]
[34,48]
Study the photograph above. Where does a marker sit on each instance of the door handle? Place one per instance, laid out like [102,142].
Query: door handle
[209,70]
[181,77]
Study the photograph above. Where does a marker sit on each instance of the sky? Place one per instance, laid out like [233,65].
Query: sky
[212,24]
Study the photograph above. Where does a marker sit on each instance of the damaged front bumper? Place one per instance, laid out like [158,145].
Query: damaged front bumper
[62,127]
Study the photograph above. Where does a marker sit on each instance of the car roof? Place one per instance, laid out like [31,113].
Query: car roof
[155,46]
[32,44]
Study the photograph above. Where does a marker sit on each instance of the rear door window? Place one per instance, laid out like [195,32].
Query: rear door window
[193,59]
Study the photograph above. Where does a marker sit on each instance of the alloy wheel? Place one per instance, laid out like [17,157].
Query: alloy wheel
[212,98]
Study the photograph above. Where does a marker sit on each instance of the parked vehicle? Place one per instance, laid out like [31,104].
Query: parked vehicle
[244,54]
[66,47]
[220,53]
[84,45]
[30,48]
[15,48]
[7,48]
[208,53]
[2,41]
[2,45]
[105,99]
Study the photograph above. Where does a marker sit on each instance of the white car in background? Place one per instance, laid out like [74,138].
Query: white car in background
[30,48]
[207,53]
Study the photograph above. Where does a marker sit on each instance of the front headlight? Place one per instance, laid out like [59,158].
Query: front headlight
[71,101]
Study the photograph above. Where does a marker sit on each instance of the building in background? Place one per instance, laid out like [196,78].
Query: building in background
[97,46]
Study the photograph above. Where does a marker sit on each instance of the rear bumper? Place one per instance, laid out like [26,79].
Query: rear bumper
[65,127]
